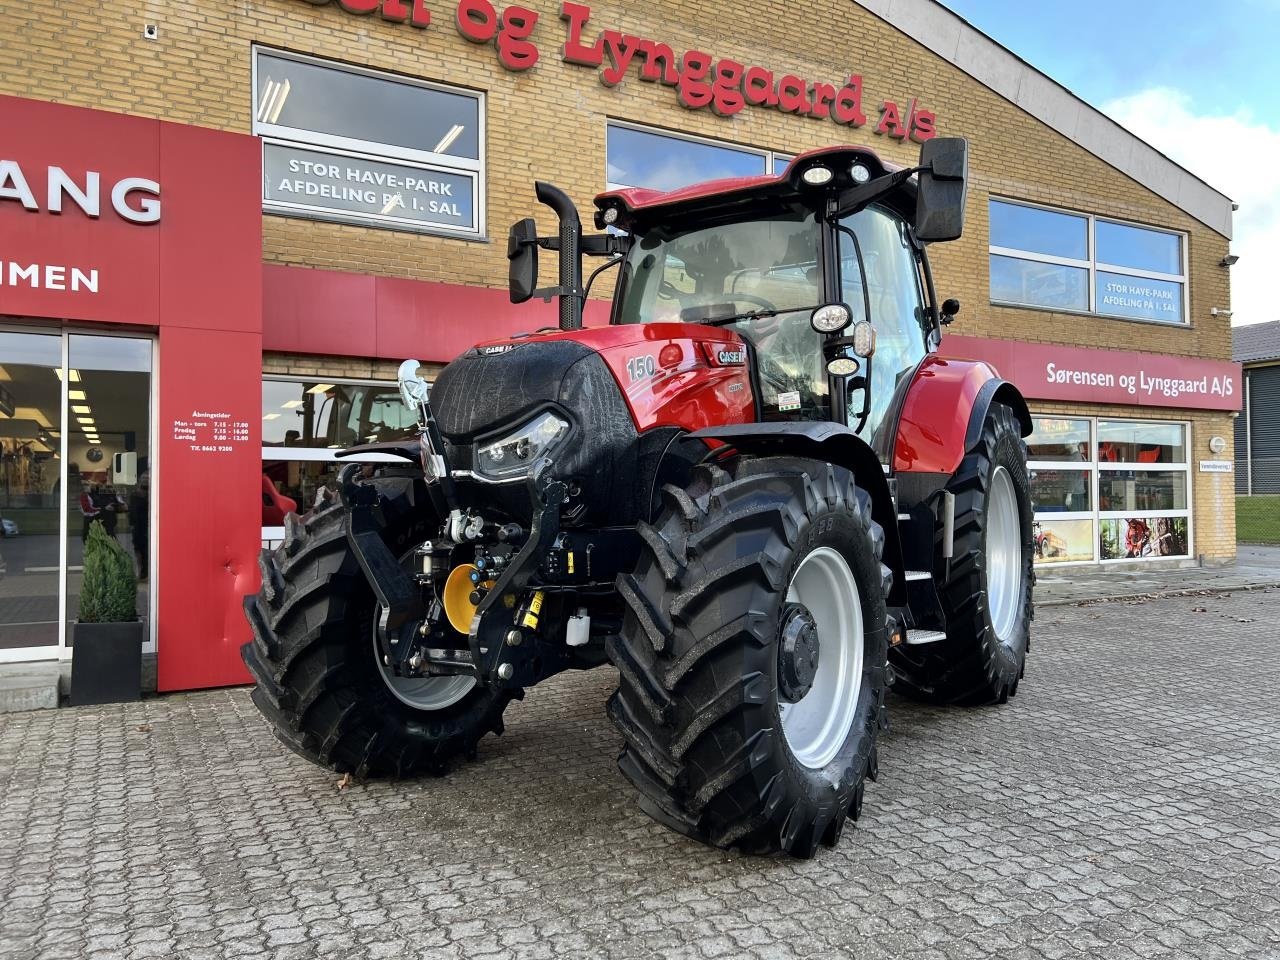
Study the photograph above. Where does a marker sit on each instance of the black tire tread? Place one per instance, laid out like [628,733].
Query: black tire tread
[695,740]
[972,667]
[311,658]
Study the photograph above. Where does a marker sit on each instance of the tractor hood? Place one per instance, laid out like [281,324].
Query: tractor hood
[626,391]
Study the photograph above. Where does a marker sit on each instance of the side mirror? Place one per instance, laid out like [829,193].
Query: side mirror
[950,307]
[522,252]
[943,184]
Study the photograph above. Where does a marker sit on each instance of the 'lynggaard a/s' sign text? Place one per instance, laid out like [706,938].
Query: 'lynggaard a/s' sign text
[700,79]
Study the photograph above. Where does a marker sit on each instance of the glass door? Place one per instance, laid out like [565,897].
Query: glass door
[31,432]
[108,455]
[75,449]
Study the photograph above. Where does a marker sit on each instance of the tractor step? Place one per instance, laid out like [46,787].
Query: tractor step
[919,575]
[915,637]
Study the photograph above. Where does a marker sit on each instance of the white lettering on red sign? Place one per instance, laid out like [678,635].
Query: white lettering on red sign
[135,199]
[210,432]
[48,276]
[1142,383]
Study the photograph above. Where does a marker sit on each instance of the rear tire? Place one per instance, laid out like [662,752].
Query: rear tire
[714,751]
[319,680]
[987,597]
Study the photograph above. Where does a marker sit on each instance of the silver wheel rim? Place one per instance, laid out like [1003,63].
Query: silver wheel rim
[818,724]
[423,693]
[1004,554]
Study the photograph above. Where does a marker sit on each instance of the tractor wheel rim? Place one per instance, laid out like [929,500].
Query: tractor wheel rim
[1004,554]
[423,693]
[817,726]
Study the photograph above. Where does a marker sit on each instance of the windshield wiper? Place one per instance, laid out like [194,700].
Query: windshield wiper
[753,315]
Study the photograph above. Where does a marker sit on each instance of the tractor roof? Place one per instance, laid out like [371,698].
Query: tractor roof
[638,206]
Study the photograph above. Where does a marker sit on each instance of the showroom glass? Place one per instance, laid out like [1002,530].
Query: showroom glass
[1042,258]
[108,453]
[1109,489]
[656,160]
[31,430]
[305,423]
[362,146]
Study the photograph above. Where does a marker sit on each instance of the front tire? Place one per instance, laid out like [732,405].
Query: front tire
[707,661]
[318,678]
[987,596]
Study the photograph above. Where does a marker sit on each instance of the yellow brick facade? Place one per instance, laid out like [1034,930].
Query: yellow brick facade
[550,122]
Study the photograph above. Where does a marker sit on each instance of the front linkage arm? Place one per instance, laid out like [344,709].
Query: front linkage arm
[495,636]
[399,598]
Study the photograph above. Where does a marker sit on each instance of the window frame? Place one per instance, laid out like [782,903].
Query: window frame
[1092,265]
[1095,469]
[767,155]
[293,137]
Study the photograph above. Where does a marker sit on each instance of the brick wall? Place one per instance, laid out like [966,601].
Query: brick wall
[549,123]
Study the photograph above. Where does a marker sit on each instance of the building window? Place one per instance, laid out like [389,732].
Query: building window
[657,160]
[1109,489]
[1073,261]
[304,424]
[357,146]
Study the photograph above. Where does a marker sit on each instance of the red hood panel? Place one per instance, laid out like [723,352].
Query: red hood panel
[672,374]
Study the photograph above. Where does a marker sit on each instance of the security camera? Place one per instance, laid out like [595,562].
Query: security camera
[150,32]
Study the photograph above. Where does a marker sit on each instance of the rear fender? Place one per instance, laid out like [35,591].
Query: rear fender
[944,410]
[830,443]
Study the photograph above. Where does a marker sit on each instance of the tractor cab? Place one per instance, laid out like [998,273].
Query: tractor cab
[820,270]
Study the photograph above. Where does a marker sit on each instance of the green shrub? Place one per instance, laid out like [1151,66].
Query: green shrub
[110,589]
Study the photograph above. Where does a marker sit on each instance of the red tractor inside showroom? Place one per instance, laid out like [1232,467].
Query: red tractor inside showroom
[760,493]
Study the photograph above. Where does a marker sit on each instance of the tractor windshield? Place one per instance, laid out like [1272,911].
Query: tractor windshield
[760,278]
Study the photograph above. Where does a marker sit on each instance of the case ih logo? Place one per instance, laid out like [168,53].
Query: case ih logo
[731,358]
[700,79]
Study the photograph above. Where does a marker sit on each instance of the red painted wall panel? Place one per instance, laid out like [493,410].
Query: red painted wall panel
[195,277]
[211,255]
[209,507]
[350,314]
[126,255]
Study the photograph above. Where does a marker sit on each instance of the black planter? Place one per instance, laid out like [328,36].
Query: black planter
[106,666]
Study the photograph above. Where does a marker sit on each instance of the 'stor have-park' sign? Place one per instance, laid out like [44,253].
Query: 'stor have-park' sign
[700,80]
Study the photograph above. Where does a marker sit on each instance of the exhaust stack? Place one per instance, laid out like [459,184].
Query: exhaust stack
[572,298]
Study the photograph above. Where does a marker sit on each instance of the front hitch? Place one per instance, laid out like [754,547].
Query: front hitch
[495,636]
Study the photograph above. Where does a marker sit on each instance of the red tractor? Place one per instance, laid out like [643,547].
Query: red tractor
[760,493]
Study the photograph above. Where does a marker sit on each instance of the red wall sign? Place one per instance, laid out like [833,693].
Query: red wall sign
[111,219]
[1051,372]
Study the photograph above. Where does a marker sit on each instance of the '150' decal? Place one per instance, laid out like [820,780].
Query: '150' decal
[641,368]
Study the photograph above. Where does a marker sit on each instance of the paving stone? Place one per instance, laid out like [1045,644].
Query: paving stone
[1123,805]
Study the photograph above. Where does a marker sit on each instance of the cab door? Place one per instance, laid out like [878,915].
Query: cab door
[880,280]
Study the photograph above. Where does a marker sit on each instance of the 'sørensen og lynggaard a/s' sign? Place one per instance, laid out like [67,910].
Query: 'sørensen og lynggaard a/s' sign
[701,80]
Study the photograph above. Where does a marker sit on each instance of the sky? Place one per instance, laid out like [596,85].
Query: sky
[1199,82]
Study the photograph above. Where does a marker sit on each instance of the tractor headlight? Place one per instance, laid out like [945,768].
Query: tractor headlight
[832,318]
[512,455]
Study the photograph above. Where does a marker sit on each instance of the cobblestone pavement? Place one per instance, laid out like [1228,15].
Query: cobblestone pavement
[1125,804]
